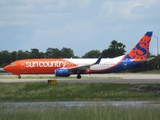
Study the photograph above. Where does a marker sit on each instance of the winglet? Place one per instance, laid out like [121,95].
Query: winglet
[99,59]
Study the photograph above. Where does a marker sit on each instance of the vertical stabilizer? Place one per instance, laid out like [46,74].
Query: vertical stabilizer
[141,49]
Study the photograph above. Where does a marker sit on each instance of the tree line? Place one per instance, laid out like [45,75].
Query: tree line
[115,49]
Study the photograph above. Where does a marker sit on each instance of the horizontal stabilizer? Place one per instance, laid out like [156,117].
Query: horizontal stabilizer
[144,60]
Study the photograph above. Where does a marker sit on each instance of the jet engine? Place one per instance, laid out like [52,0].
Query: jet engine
[62,72]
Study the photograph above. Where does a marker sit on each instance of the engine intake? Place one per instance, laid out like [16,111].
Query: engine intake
[62,72]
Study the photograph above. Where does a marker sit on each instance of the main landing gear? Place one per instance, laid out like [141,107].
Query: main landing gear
[78,76]
[19,77]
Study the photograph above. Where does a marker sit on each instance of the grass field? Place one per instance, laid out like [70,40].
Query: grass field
[70,92]
[36,92]
[95,112]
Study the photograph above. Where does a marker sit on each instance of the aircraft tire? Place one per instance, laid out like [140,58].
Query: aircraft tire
[19,77]
[78,76]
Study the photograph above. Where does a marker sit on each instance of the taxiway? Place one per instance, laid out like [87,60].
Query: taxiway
[98,78]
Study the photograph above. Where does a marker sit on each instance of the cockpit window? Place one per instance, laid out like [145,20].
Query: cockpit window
[12,64]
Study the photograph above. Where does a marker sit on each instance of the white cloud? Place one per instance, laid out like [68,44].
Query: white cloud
[70,32]
[35,2]
[83,3]
[113,11]
[73,23]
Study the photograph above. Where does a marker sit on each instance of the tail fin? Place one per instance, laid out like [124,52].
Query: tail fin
[141,49]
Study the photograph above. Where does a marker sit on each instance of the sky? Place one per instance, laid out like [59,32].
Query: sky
[82,25]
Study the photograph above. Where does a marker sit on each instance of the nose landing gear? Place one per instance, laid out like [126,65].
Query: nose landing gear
[19,77]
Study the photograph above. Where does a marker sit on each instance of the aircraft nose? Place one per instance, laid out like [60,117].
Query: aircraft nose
[6,68]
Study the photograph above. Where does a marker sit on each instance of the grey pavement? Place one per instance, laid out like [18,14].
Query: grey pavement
[96,78]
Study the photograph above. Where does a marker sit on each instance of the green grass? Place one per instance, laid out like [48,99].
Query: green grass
[29,92]
[95,112]
[70,92]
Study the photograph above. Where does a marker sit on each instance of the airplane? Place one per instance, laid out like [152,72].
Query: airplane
[66,67]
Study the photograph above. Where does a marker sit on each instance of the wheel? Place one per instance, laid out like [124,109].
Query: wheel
[78,76]
[19,77]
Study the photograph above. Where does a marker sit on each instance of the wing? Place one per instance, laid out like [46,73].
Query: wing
[84,68]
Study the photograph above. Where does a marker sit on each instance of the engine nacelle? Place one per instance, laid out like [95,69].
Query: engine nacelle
[62,72]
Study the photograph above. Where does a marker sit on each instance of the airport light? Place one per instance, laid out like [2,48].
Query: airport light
[157,44]
[157,48]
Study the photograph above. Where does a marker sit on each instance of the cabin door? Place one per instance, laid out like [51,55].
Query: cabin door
[23,65]
[125,63]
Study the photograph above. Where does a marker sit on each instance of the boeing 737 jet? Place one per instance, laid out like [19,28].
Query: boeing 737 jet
[66,67]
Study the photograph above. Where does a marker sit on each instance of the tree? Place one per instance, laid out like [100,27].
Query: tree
[76,57]
[36,54]
[67,53]
[114,50]
[13,56]
[92,54]
[23,54]
[53,53]
[4,58]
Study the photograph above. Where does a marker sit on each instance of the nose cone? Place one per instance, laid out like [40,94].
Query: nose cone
[6,68]
[11,68]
